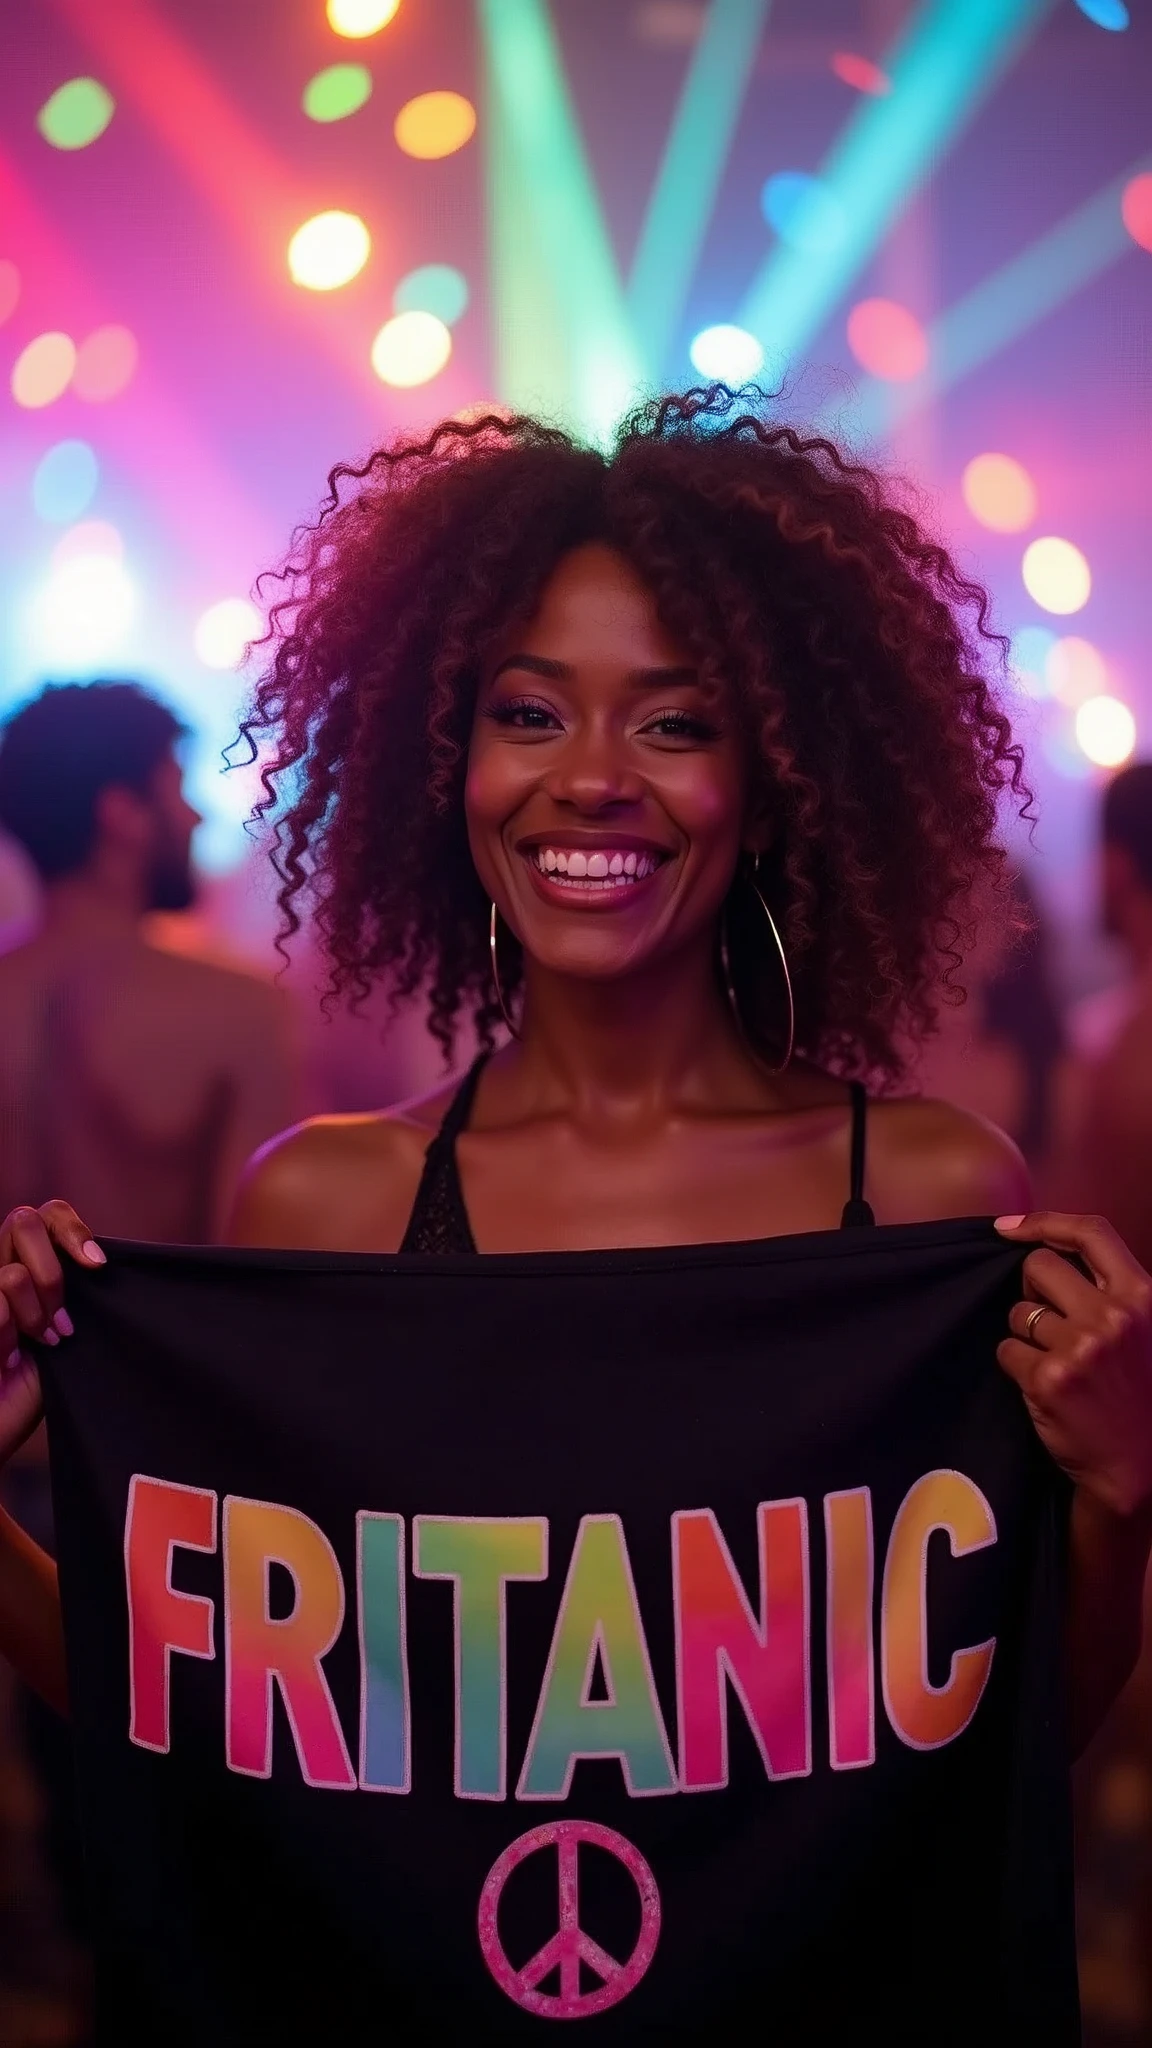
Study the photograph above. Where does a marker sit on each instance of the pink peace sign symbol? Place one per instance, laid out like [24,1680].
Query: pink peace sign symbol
[569,1946]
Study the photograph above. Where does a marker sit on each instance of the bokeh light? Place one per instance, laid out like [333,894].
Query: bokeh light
[671,24]
[43,370]
[360,17]
[434,288]
[223,631]
[1136,209]
[887,340]
[77,114]
[728,354]
[65,481]
[861,73]
[105,364]
[1056,575]
[1105,13]
[1105,731]
[435,124]
[337,92]
[1076,671]
[328,251]
[1030,648]
[83,611]
[9,289]
[411,349]
[999,492]
[90,537]
[804,212]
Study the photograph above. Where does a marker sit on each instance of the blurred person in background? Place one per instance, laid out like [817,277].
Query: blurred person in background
[1001,1054]
[138,1074]
[1112,1146]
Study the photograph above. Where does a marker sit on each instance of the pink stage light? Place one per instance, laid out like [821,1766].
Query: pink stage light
[861,73]
[105,364]
[1136,209]
[887,340]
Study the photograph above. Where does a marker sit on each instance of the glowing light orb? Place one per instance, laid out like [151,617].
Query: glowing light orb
[355,18]
[1056,575]
[83,611]
[887,340]
[727,355]
[1105,13]
[803,212]
[436,288]
[1105,731]
[222,632]
[328,251]
[337,92]
[435,124]
[999,492]
[105,364]
[1076,671]
[77,114]
[9,289]
[65,482]
[1136,209]
[861,73]
[43,370]
[411,349]
[1031,646]
[90,537]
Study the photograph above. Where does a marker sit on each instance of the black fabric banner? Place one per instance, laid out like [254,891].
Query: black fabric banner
[663,1641]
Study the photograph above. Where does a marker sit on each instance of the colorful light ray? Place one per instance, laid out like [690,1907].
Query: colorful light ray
[603,362]
[684,195]
[943,65]
[1012,300]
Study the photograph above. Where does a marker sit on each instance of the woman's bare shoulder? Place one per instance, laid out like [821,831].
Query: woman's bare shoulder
[929,1159]
[338,1183]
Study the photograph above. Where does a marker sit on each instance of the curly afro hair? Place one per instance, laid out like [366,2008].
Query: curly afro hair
[855,649]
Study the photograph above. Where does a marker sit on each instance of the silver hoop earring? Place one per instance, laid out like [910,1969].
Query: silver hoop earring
[496,973]
[726,964]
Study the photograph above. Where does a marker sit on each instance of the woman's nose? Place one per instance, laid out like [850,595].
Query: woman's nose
[593,770]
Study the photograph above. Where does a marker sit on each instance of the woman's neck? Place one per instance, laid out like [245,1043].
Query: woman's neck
[636,1045]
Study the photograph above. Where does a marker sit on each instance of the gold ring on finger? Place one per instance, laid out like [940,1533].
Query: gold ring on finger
[1033,1319]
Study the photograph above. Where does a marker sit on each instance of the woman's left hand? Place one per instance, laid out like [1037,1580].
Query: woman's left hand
[1084,1364]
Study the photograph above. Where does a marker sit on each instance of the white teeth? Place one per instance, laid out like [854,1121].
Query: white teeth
[596,870]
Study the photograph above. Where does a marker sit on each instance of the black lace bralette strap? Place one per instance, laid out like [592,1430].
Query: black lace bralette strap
[856,1210]
[438,1225]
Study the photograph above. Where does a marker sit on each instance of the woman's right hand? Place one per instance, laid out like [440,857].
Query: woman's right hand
[32,1305]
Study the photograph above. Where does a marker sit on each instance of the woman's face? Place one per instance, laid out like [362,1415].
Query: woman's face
[607,786]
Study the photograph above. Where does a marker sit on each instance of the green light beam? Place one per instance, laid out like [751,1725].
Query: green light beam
[691,168]
[1006,304]
[530,99]
[942,66]
[530,358]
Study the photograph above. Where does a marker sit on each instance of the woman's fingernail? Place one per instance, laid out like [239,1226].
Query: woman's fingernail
[62,1323]
[49,1336]
[91,1250]
[1009,1222]
[13,1360]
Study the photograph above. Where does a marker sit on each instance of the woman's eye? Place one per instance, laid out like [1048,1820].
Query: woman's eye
[681,725]
[524,714]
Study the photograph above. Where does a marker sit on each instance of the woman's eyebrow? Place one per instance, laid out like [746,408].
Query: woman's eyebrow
[536,665]
[675,675]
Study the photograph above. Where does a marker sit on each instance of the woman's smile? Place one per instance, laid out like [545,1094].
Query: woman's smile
[593,873]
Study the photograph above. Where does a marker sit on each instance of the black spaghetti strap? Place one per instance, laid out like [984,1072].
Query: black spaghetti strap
[857,1211]
[439,1225]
